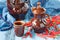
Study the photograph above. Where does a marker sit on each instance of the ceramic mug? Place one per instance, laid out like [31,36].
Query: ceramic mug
[19,28]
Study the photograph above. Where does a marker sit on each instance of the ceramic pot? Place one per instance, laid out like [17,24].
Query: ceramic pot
[19,28]
[17,8]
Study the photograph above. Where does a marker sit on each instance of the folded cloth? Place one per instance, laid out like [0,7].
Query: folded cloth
[6,20]
[4,25]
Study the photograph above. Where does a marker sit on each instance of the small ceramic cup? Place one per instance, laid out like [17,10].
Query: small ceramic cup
[19,28]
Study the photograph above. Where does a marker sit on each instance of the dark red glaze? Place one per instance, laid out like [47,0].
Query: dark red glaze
[17,8]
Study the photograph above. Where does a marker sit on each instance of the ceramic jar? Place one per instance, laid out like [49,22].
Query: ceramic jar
[17,8]
[19,28]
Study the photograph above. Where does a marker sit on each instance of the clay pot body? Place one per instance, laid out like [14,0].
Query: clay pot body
[19,28]
[38,26]
[17,8]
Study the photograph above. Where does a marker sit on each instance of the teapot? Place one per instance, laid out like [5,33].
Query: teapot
[39,22]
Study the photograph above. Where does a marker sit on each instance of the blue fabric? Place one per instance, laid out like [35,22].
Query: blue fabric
[52,8]
[6,20]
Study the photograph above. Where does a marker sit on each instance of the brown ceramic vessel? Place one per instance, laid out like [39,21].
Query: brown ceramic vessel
[19,28]
[17,8]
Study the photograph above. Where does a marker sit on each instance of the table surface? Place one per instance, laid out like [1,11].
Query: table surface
[10,35]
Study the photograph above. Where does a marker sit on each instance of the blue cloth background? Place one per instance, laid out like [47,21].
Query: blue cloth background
[52,8]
